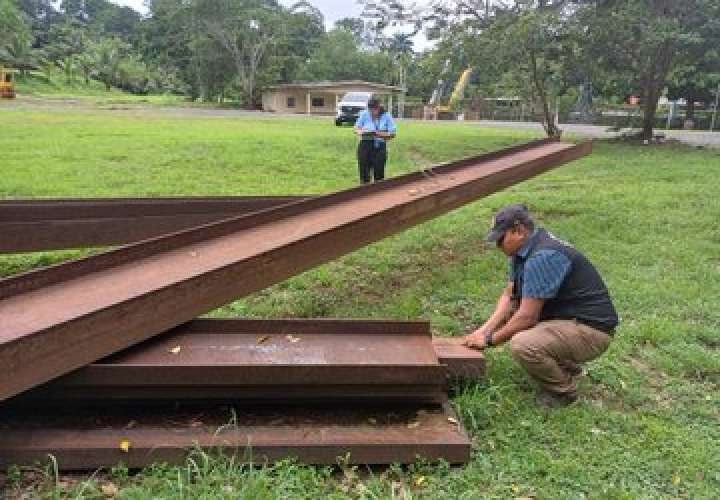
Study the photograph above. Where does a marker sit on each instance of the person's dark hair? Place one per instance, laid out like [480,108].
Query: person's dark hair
[528,222]
[375,104]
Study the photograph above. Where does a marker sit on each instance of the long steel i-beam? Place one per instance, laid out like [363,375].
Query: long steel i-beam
[87,440]
[58,319]
[53,224]
[317,360]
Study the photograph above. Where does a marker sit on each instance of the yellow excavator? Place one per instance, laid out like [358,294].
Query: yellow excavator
[434,109]
[458,92]
[7,82]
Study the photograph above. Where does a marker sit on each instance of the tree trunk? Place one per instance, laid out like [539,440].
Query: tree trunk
[549,125]
[652,96]
[690,112]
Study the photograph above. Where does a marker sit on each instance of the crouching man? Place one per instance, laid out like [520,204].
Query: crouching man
[555,310]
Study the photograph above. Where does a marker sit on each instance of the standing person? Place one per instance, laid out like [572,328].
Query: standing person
[375,127]
[555,311]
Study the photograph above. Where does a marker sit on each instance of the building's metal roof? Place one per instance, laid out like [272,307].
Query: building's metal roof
[358,85]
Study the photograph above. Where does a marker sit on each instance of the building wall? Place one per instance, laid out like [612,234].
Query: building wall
[281,101]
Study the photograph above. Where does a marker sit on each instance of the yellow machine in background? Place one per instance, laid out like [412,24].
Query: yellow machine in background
[7,82]
[458,92]
[434,110]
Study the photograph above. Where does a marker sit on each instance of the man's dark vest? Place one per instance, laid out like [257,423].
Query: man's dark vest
[582,296]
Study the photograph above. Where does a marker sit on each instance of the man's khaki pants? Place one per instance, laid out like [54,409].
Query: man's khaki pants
[550,349]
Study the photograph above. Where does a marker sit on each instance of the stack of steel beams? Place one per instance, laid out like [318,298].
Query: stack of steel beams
[113,327]
[371,391]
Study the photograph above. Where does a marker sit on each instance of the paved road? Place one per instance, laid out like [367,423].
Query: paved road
[695,138]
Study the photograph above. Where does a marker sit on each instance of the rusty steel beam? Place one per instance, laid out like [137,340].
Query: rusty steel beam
[278,360]
[58,319]
[273,360]
[87,440]
[459,361]
[31,225]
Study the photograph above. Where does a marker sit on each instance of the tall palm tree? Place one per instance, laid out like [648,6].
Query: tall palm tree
[401,48]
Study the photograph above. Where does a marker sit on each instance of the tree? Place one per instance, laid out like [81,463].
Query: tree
[67,39]
[167,39]
[532,45]
[436,17]
[366,33]
[338,57]
[107,55]
[299,35]
[115,20]
[642,42]
[15,33]
[245,31]
[400,47]
[41,15]
[696,83]
[226,48]
[697,76]
[523,45]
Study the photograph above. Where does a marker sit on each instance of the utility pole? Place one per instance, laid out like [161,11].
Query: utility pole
[670,115]
[717,102]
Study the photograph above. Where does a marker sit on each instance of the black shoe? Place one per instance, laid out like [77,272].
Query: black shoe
[573,369]
[547,399]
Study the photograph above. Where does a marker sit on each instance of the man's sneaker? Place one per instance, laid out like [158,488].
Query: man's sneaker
[576,371]
[547,399]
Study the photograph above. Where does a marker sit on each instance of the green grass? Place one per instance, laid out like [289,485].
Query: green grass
[53,85]
[648,422]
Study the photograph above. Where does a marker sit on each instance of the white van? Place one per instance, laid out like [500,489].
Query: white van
[350,107]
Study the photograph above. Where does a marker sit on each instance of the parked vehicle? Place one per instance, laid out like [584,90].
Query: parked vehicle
[350,107]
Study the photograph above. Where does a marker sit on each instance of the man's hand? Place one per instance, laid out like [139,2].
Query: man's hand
[477,340]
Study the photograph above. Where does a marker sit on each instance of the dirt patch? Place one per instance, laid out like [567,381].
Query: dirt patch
[651,372]
[602,396]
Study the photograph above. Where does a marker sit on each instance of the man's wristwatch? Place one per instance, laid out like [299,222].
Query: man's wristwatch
[488,338]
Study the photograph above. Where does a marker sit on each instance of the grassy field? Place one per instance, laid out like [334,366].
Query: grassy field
[53,85]
[648,421]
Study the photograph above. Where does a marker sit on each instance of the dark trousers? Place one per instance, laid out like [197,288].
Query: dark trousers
[371,161]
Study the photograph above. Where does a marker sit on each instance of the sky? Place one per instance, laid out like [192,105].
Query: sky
[331,9]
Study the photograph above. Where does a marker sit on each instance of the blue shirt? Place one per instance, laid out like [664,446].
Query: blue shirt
[543,272]
[384,123]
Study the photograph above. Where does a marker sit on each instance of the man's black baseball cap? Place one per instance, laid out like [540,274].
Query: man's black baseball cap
[508,218]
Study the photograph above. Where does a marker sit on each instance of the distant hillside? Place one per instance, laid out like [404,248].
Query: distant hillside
[54,83]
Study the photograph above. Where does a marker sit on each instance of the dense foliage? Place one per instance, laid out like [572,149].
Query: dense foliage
[542,51]
[205,49]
